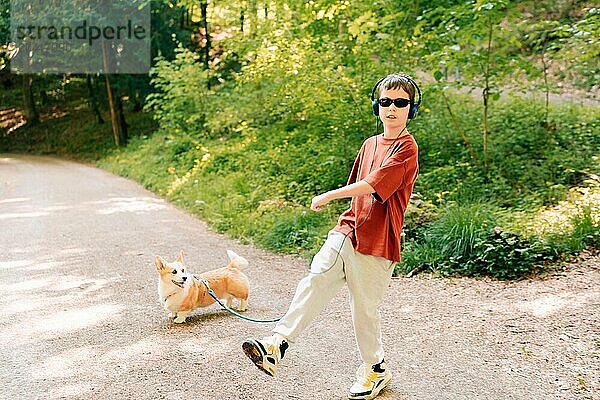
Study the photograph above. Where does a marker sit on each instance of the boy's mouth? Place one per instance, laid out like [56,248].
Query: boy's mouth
[391,117]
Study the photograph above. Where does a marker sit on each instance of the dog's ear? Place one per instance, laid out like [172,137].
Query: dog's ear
[160,263]
[180,257]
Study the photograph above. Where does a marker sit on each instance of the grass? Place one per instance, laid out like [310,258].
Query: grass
[538,204]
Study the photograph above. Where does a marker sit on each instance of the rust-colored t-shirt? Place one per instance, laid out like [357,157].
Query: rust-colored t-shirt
[374,222]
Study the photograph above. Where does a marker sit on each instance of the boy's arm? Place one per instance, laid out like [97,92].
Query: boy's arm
[355,189]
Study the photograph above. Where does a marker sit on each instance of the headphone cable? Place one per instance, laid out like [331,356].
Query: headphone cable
[354,229]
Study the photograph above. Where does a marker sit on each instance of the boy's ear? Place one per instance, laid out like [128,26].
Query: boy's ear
[180,256]
[160,263]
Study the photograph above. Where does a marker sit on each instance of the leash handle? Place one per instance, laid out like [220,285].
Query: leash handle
[214,296]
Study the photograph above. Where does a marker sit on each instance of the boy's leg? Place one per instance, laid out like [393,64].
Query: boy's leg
[315,290]
[312,294]
[368,278]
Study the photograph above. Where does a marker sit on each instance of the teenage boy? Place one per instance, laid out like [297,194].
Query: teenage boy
[365,244]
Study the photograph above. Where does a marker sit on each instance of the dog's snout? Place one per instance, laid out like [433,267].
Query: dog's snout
[184,278]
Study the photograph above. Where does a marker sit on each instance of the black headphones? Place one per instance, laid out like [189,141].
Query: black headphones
[414,105]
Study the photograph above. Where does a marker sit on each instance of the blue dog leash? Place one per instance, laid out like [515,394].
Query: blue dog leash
[214,296]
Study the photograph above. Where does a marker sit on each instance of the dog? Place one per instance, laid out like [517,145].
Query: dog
[180,292]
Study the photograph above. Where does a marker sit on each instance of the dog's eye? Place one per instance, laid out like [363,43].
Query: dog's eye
[183,271]
[174,272]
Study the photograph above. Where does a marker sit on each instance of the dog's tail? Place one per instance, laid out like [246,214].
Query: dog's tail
[236,261]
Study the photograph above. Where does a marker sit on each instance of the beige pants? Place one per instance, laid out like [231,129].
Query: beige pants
[367,277]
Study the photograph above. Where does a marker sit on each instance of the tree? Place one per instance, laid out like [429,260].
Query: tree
[4,32]
[475,40]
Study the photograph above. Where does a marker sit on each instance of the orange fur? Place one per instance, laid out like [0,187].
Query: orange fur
[181,292]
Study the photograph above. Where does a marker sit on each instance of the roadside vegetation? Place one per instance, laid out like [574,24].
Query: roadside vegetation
[509,184]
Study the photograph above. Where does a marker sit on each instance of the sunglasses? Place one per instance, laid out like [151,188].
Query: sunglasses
[400,103]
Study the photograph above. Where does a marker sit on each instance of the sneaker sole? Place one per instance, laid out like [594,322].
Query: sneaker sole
[373,394]
[253,352]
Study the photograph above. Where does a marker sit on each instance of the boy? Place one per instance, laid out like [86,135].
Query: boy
[365,244]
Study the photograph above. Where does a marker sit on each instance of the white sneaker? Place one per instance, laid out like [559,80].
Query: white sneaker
[370,380]
[266,353]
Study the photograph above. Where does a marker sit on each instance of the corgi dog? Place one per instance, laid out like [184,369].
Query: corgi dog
[180,292]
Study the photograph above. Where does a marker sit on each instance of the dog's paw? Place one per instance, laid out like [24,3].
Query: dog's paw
[243,306]
[179,320]
[172,315]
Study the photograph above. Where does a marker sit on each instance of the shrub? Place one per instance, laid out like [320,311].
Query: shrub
[180,101]
[457,230]
[297,232]
[249,154]
[464,241]
[502,255]
[453,235]
[584,233]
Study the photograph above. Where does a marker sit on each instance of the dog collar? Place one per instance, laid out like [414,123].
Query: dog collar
[167,298]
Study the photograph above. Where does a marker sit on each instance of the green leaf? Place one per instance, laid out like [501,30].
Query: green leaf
[438,75]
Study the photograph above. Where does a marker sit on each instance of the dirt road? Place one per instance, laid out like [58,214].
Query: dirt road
[80,318]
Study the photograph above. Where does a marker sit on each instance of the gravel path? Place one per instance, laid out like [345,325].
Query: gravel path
[80,318]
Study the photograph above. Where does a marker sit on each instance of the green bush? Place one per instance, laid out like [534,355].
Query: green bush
[585,233]
[296,232]
[462,242]
[502,255]
[179,103]
[248,155]
[457,230]
[465,241]
[586,230]
[256,182]
[531,166]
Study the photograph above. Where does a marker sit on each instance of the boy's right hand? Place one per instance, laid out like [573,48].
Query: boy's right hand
[318,201]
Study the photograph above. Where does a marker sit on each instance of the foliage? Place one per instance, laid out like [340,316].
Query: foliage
[295,232]
[240,180]
[288,107]
[179,102]
[529,166]
[464,242]
[4,31]
[586,231]
[502,255]
[167,30]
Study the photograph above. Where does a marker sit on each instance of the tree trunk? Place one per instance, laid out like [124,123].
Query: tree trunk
[44,101]
[242,19]
[93,99]
[183,18]
[138,102]
[459,129]
[32,116]
[486,96]
[343,28]
[486,132]
[204,12]
[123,131]
[546,124]
[114,115]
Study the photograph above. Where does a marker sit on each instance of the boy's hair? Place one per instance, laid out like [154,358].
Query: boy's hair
[398,81]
